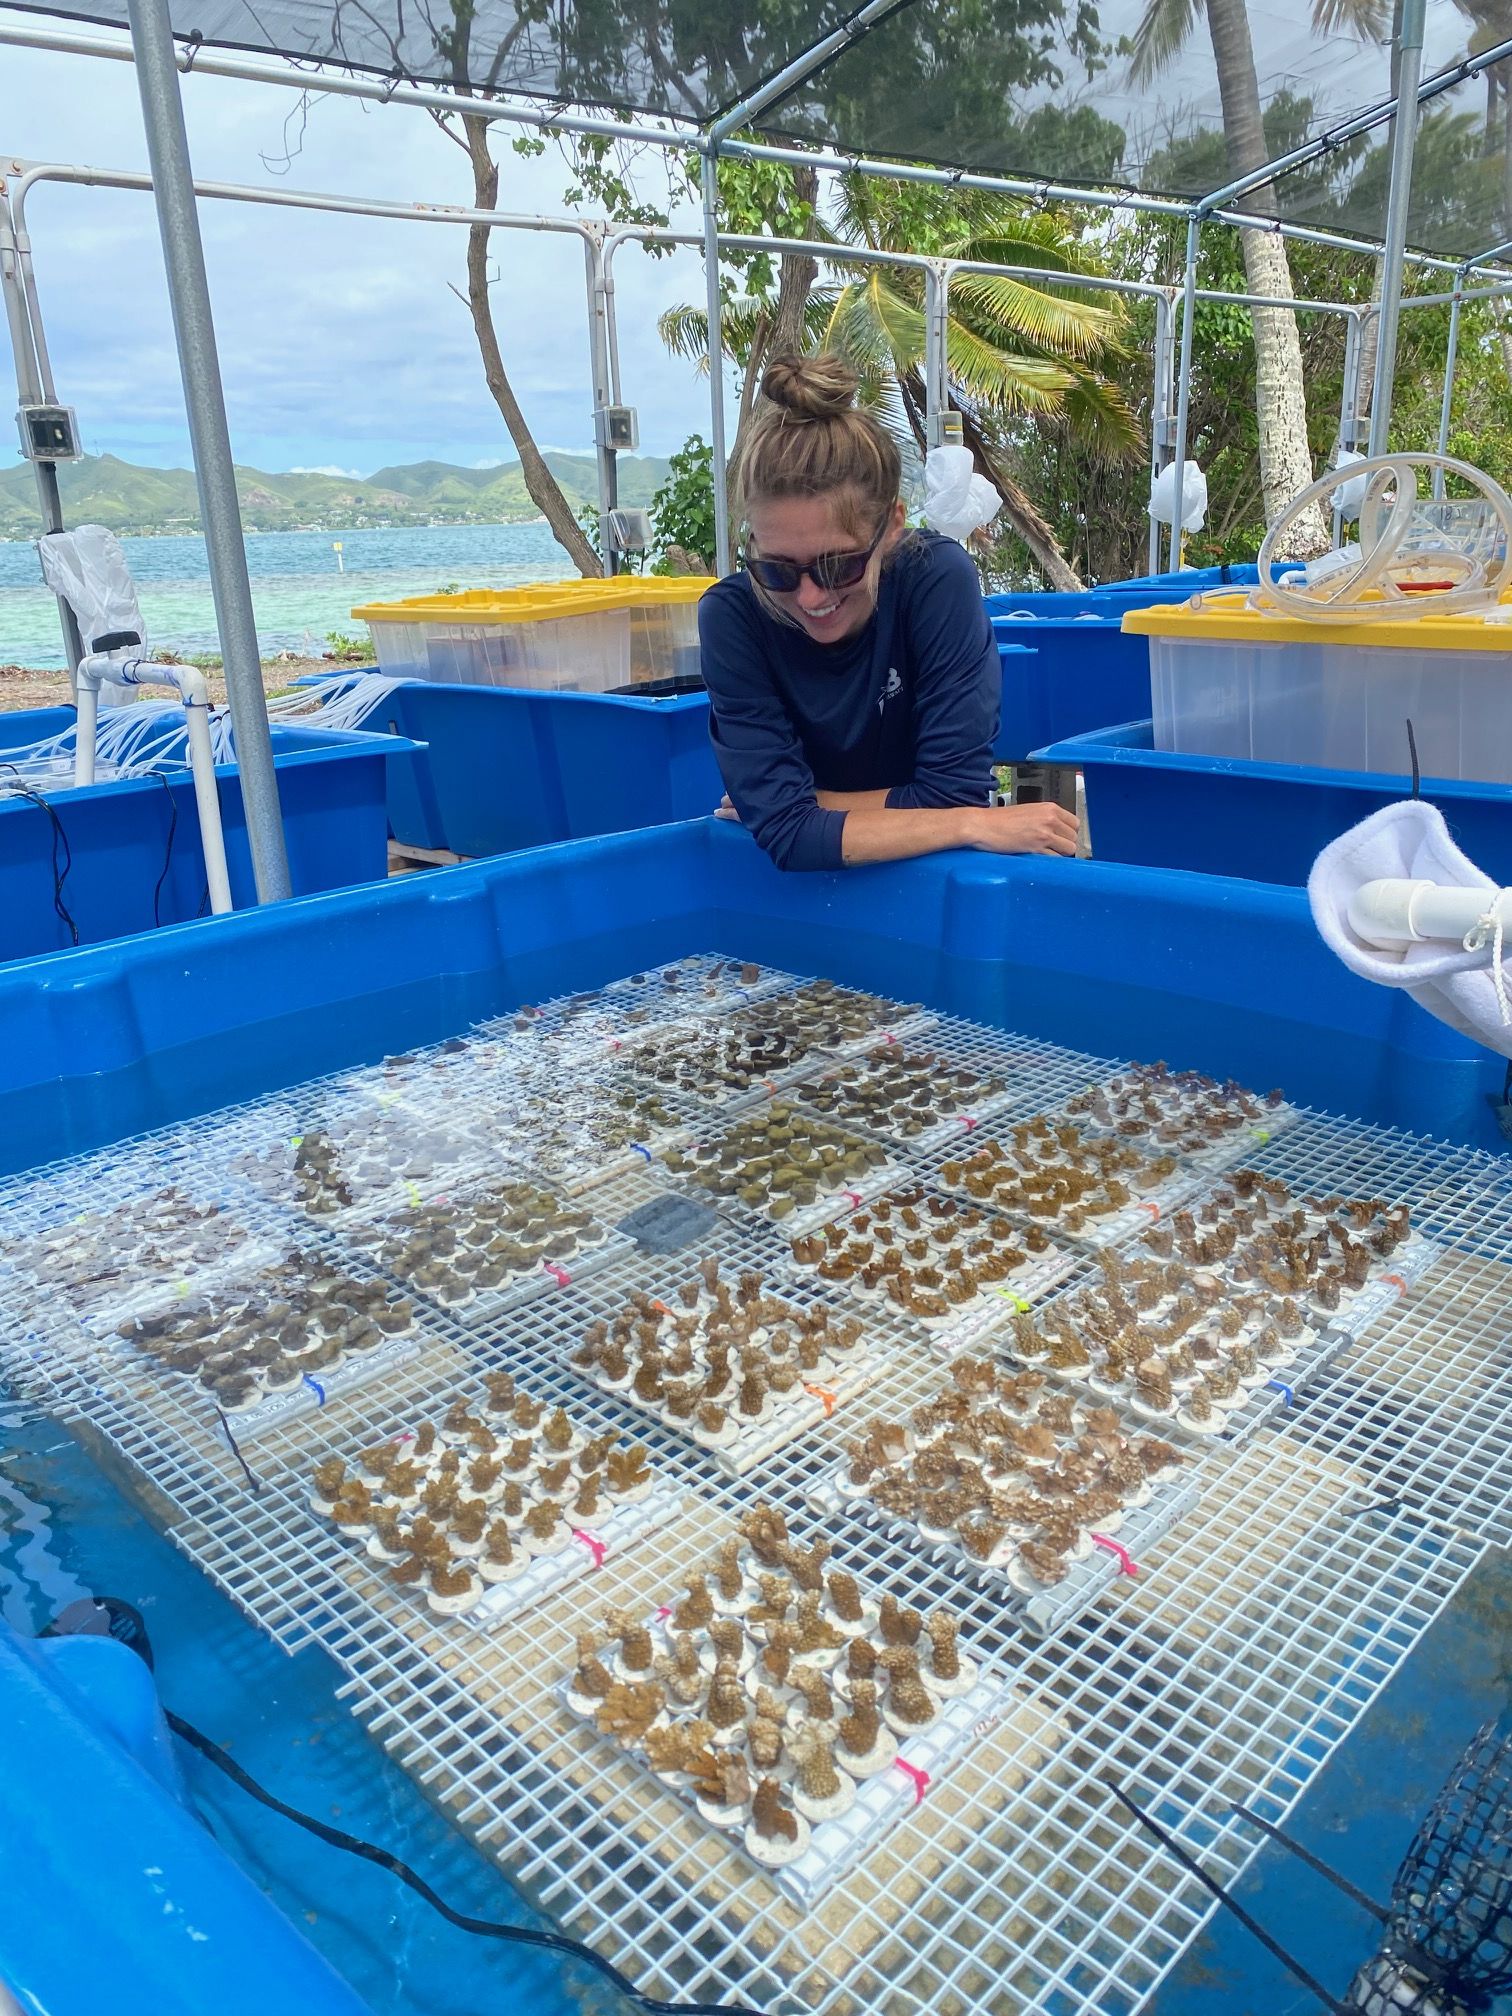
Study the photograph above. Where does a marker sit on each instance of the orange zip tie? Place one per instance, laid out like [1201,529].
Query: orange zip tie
[831,1400]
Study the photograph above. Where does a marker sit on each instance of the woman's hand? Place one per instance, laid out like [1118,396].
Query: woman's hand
[1022,829]
[725,810]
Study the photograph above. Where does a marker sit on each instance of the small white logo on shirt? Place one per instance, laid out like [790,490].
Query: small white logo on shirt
[892,689]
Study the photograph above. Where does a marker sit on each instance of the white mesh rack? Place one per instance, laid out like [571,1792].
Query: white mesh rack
[1229,1668]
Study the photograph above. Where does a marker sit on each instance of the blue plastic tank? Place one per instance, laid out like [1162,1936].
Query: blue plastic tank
[1267,821]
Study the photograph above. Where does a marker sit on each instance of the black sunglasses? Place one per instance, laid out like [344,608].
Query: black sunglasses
[829,570]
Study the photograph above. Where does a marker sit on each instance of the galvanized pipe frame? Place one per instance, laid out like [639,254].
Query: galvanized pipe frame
[157,63]
[553,120]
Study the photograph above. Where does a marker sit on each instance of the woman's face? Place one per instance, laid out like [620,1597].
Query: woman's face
[802,529]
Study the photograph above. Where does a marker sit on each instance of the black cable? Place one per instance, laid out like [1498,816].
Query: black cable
[162,777]
[59,839]
[1210,1883]
[112,1616]
[519,1935]
[1417,779]
[1315,1863]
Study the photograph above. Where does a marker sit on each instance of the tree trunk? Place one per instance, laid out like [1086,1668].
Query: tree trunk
[545,491]
[1044,548]
[1280,395]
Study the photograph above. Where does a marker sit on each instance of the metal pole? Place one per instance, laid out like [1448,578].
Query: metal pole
[598,365]
[1451,356]
[709,177]
[1349,400]
[1164,361]
[34,382]
[936,362]
[1184,384]
[215,475]
[1403,140]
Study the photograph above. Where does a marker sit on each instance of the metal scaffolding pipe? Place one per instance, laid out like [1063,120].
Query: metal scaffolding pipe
[215,474]
[825,161]
[1184,384]
[1451,355]
[718,461]
[1403,141]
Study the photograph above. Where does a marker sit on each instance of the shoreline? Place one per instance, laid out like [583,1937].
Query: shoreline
[24,686]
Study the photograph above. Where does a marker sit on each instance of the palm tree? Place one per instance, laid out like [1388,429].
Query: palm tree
[1281,410]
[1014,350]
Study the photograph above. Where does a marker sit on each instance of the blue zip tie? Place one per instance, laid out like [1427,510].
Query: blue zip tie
[642,1151]
[315,1387]
[1280,1386]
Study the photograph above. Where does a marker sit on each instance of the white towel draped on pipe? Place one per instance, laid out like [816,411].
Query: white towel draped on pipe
[1410,840]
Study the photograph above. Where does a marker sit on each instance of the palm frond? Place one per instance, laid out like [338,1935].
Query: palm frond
[1048,320]
[1163,28]
[1369,20]
[685,329]
[992,376]
[1098,415]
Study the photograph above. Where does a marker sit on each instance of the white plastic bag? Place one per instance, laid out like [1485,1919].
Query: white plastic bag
[957,501]
[1194,497]
[1350,494]
[87,567]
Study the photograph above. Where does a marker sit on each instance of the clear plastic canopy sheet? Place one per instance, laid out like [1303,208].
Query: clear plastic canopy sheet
[1107,93]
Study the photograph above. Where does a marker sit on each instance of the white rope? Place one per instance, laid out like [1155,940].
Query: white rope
[150,735]
[1492,924]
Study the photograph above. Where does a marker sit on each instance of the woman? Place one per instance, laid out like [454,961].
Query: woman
[853,678]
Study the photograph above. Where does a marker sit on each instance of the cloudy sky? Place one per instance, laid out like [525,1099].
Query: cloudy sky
[340,344]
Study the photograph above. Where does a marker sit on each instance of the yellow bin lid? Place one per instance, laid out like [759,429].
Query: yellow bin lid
[1229,619]
[543,601]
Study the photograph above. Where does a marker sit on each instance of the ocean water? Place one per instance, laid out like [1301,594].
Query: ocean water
[299,592]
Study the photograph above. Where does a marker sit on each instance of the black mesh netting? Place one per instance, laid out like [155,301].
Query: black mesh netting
[1448,1945]
[1157,95]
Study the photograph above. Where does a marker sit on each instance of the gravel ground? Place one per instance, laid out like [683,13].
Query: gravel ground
[20,686]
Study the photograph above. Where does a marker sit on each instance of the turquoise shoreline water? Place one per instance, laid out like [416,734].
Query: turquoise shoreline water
[298,590]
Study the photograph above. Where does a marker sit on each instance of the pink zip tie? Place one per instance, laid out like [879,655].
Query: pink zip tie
[1153,1209]
[888,1037]
[967,1121]
[1395,1281]
[558,1274]
[1127,1565]
[597,1548]
[665,1611]
[920,1779]
[857,1200]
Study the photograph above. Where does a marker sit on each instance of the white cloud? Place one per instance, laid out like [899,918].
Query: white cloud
[342,345]
[325,469]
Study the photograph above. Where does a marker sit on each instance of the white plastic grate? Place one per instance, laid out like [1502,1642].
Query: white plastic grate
[1229,1667]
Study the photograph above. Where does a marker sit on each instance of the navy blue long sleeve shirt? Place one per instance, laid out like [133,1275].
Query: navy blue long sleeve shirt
[908,705]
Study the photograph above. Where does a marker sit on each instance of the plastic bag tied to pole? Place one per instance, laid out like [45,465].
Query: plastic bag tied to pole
[87,567]
[1457,981]
[957,501]
[1194,497]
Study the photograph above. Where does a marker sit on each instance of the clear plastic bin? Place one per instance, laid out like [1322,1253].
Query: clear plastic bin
[569,636]
[1227,680]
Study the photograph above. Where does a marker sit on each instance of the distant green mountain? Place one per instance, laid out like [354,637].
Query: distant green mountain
[102,490]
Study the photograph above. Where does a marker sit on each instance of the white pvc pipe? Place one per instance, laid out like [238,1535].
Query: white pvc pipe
[1394,911]
[87,728]
[207,802]
[189,682]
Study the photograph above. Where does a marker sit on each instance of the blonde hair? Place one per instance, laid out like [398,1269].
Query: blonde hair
[809,439]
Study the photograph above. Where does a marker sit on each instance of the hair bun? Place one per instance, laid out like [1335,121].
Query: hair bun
[810,388]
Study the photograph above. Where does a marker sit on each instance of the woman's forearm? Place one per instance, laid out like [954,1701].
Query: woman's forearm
[892,833]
